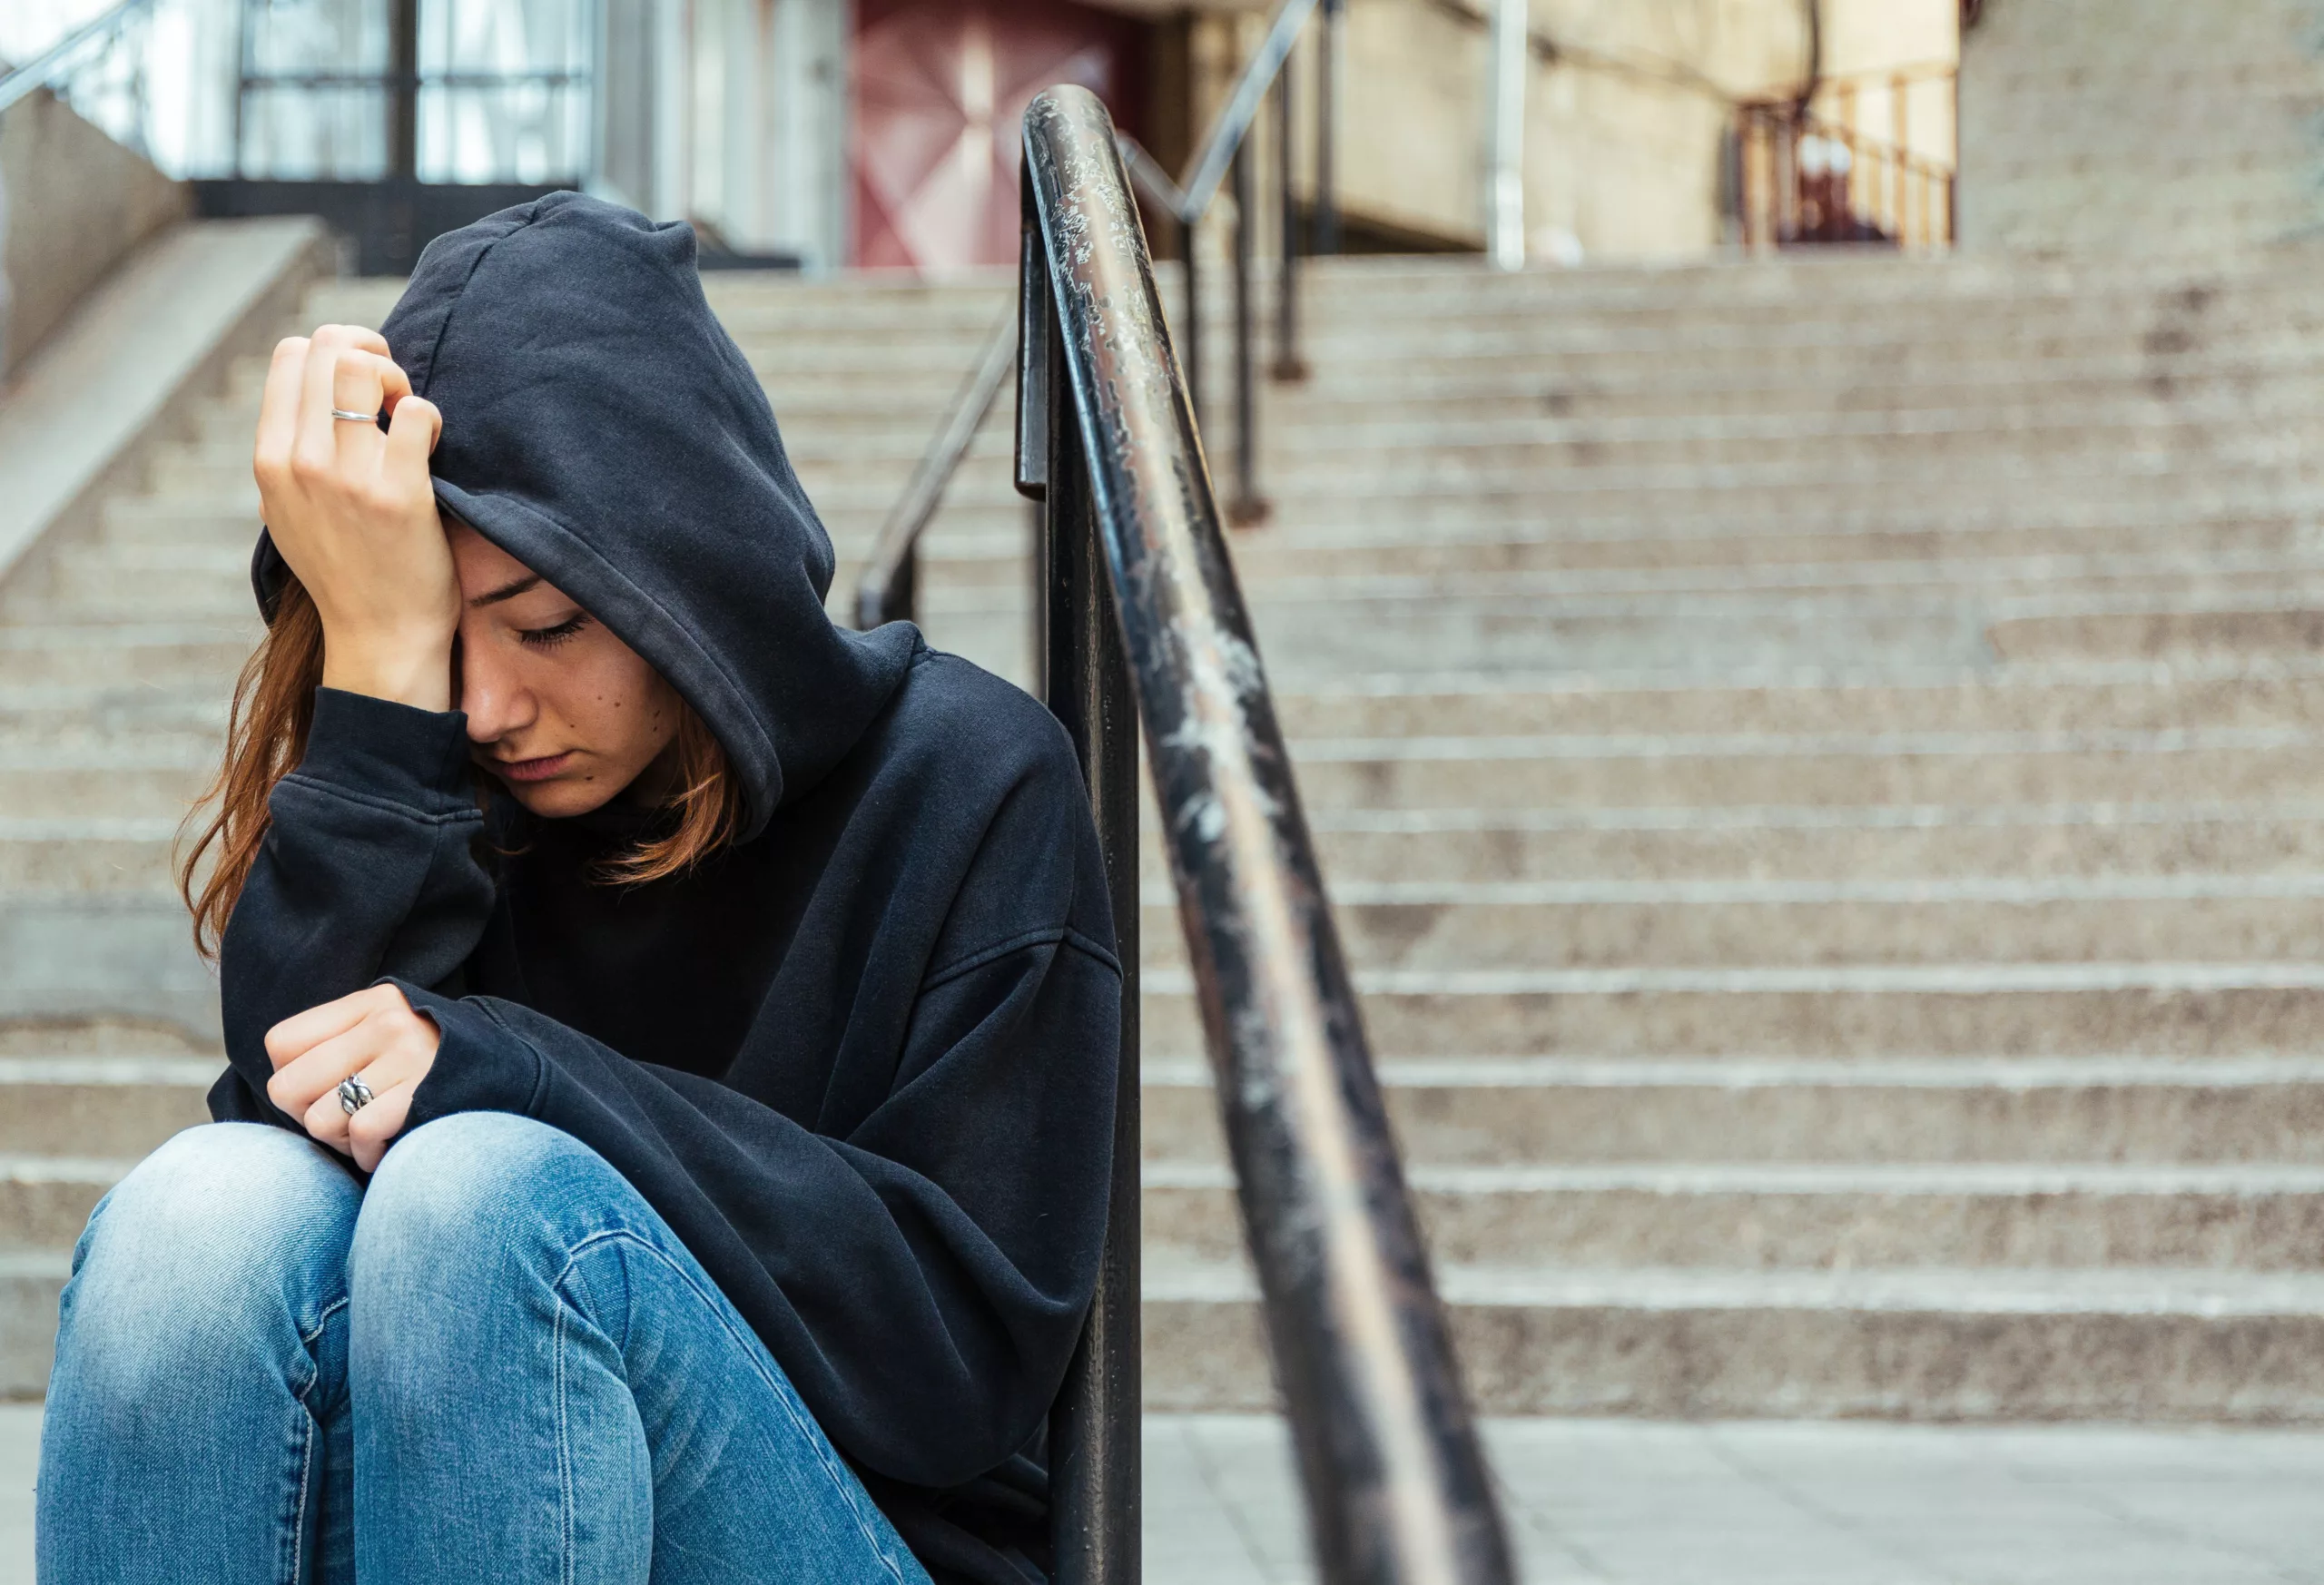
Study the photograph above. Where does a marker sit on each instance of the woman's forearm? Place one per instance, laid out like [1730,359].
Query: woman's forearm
[367,870]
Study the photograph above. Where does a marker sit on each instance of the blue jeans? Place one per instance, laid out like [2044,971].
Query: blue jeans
[495,1363]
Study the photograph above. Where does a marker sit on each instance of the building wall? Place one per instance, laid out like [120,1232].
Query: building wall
[1627,104]
[1627,101]
[76,203]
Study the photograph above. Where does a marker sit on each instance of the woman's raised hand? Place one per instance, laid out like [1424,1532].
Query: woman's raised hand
[353,514]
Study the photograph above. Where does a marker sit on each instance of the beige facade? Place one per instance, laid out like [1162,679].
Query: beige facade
[1627,102]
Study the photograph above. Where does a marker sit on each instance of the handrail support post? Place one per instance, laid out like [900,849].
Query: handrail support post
[1094,1426]
[1246,507]
[1288,364]
[1326,208]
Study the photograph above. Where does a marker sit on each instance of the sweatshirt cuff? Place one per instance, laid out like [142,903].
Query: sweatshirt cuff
[480,1065]
[379,749]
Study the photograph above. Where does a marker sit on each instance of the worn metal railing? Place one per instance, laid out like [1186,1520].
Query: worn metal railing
[1222,159]
[889,588]
[1818,176]
[1144,624]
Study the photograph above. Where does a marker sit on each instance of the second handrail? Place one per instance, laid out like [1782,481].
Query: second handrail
[890,584]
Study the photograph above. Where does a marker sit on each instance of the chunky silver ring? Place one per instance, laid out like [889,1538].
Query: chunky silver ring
[355,417]
[354,1095]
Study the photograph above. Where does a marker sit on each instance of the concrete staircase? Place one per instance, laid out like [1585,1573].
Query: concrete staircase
[2142,126]
[1817,764]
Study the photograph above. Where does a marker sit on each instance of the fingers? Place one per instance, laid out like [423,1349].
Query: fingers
[375,1051]
[306,1088]
[295,1036]
[343,369]
[390,1046]
[370,1131]
[278,412]
[367,382]
[412,434]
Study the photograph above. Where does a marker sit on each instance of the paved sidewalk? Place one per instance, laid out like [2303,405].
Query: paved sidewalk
[1634,1504]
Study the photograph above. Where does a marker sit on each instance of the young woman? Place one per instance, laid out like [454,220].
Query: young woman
[672,1038]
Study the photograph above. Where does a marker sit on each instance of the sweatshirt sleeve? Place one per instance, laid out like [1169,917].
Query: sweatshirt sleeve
[923,1279]
[367,869]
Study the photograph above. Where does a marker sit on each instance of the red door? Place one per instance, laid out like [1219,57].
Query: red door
[940,88]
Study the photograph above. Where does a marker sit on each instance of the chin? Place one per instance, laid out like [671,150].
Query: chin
[559,799]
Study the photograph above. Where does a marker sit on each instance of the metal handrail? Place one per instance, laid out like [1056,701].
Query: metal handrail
[890,587]
[1188,200]
[1144,622]
[1898,196]
[44,68]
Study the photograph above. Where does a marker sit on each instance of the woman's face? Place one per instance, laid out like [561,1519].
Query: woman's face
[562,711]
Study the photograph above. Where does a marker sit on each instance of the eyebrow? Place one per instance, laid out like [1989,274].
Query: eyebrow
[507,591]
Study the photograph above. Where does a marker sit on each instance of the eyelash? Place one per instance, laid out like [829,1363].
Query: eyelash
[548,637]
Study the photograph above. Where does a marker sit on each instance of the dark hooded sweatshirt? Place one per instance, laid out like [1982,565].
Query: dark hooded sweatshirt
[862,1061]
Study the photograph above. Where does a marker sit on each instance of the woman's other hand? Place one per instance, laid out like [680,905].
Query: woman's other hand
[372,1035]
[353,514]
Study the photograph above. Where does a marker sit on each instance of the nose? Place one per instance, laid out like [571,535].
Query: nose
[491,687]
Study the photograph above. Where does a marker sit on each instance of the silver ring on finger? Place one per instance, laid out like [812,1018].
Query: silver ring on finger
[354,1095]
[355,417]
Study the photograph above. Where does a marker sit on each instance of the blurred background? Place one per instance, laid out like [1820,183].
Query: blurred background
[1788,547]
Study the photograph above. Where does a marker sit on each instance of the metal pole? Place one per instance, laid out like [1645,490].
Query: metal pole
[1288,364]
[1327,99]
[1505,217]
[1094,1428]
[1190,332]
[403,90]
[1246,508]
[242,78]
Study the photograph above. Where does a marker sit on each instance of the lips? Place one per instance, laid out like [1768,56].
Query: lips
[539,770]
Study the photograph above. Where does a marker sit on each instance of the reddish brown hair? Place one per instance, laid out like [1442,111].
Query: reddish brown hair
[266,736]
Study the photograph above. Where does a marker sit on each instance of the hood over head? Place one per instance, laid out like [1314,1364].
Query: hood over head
[601,427]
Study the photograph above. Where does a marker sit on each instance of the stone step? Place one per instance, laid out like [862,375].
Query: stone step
[1897,843]
[2288,693]
[87,857]
[2193,384]
[111,655]
[1688,922]
[1935,1010]
[115,1108]
[72,955]
[105,781]
[2290,626]
[2149,1345]
[46,1198]
[1706,637]
[1750,770]
[1486,1111]
[1577,532]
[30,1282]
[1813,1216]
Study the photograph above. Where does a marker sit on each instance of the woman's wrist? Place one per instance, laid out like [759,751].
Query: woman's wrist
[415,671]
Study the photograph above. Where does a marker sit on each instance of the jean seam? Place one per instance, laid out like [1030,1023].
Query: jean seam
[563,1449]
[850,1490]
[307,1433]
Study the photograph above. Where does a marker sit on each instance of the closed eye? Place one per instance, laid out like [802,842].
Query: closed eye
[546,637]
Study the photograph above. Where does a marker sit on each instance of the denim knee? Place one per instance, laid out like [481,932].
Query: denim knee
[230,1237]
[464,1200]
